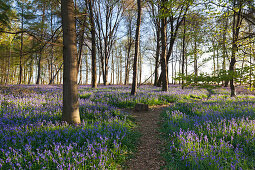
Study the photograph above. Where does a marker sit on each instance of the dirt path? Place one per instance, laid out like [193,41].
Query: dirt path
[148,153]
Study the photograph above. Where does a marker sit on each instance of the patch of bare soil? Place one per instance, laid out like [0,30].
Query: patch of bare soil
[148,152]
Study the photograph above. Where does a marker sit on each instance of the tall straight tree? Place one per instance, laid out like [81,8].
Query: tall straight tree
[70,88]
[183,50]
[163,46]
[93,43]
[137,39]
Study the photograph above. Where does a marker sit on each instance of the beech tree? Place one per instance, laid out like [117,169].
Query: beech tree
[164,44]
[137,39]
[90,4]
[70,88]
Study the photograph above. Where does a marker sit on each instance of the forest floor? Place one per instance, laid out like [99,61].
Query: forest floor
[148,155]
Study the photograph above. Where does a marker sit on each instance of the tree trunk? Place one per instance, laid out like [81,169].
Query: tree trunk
[56,75]
[100,72]
[93,45]
[120,68]
[9,63]
[163,51]
[30,71]
[195,61]
[87,68]
[250,57]
[157,57]
[214,65]
[105,76]
[112,81]
[70,88]
[140,66]
[137,39]
[127,71]
[236,27]
[80,81]
[172,62]
[21,47]
[225,53]
[183,51]
[51,49]
[105,63]
[128,53]
[39,69]
[41,50]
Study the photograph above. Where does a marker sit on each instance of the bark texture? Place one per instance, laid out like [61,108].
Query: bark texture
[70,88]
[163,51]
[137,38]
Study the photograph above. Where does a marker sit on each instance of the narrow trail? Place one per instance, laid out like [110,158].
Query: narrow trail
[149,149]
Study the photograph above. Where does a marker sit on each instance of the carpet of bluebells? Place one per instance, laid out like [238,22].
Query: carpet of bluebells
[211,133]
[32,135]
[203,130]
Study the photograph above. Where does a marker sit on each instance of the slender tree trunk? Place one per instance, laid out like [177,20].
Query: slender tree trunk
[118,71]
[225,53]
[242,67]
[141,68]
[180,66]
[127,70]
[172,65]
[56,75]
[30,72]
[163,51]
[105,71]
[214,65]
[41,50]
[87,68]
[137,40]
[14,75]
[21,47]
[100,71]
[250,56]
[128,53]
[93,44]
[151,71]
[113,69]
[39,69]
[183,50]
[195,60]
[120,66]
[157,57]
[80,81]
[70,88]
[111,72]
[9,63]
[105,63]
[175,68]
[186,63]
[217,61]
[51,49]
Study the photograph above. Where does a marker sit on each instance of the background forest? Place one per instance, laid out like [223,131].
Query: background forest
[206,41]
